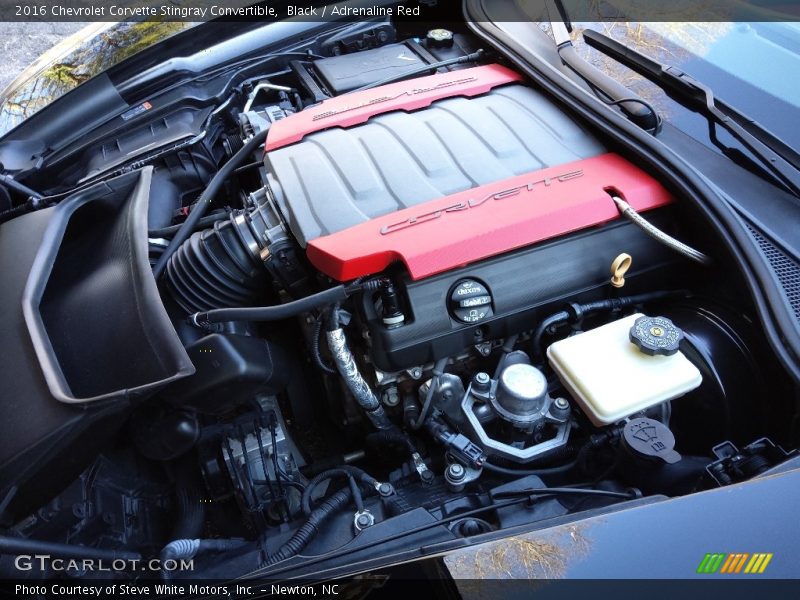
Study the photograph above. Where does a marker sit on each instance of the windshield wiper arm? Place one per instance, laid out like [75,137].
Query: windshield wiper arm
[778,158]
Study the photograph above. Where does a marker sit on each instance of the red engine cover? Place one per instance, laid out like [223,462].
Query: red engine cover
[456,230]
[357,107]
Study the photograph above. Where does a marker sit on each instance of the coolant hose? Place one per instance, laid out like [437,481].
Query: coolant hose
[201,206]
[310,528]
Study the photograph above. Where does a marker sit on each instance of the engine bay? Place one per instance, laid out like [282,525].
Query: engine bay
[414,299]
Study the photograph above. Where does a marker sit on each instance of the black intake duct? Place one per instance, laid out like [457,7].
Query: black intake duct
[217,267]
[232,263]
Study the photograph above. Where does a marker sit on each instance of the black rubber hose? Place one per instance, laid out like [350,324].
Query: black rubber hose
[554,319]
[315,349]
[29,206]
[352,473]
[12,545]
[638,112]
[329,297]
[410,410]
[201,206]
[391,437]
[438,370]
[570,453]
[525,472]
[15,185]
[566,491]
[310,528]
[272,313]
[201,224]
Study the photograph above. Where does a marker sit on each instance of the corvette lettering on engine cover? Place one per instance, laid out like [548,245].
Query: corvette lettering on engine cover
[358,107]
[484,221]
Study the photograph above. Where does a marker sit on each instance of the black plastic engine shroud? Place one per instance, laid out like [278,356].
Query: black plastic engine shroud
[524,285]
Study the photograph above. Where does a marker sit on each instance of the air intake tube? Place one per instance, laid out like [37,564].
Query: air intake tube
[231,264]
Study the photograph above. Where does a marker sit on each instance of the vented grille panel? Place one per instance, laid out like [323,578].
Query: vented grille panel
[786,269]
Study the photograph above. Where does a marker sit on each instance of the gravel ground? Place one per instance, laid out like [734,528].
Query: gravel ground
[22,43]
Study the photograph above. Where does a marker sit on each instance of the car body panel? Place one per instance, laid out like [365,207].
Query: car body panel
[660,540]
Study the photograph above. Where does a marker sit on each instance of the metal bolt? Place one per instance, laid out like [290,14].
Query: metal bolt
[561,404]
[363,520]
[456,472]
[391,397]
[482,380]
[484,349]
[385,489]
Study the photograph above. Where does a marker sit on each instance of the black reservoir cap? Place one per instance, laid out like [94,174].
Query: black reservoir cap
[650,439]
[656,335]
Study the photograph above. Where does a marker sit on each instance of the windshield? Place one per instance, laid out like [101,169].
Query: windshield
[752,66]
[78,58]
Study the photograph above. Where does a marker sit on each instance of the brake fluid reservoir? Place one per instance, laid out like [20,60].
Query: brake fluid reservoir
[623,367]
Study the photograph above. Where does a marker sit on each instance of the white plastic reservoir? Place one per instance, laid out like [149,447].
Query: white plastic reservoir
[611,378]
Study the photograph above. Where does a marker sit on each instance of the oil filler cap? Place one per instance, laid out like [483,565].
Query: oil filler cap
[656,335]
[470,301]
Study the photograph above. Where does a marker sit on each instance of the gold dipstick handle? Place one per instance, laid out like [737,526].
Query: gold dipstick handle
[620,266]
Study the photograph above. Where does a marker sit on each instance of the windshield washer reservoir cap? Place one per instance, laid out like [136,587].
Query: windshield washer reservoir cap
[650,439]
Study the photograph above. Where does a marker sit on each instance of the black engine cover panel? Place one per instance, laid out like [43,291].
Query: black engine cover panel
[522,285]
